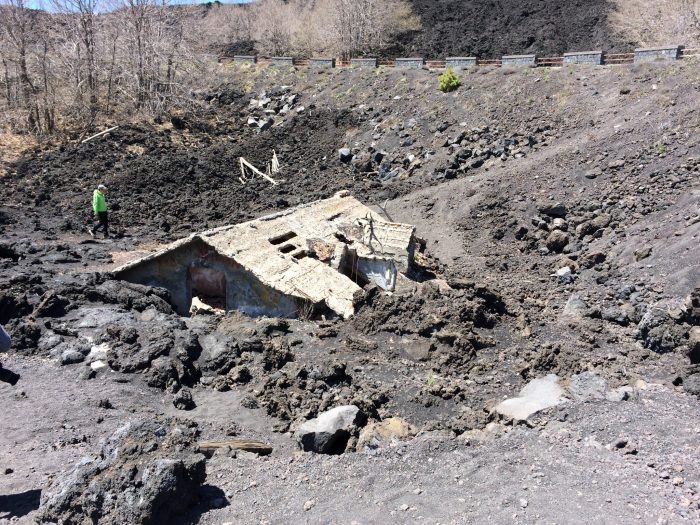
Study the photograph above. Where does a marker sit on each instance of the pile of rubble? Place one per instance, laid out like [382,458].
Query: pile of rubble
[399,149]
[269,109]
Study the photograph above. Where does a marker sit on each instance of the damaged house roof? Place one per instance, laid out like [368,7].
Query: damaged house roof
[315,253]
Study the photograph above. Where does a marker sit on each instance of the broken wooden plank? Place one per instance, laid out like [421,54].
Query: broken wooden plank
[247,165]
[258,447]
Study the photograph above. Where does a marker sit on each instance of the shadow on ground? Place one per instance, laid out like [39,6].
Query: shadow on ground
[18,505]
[210,498]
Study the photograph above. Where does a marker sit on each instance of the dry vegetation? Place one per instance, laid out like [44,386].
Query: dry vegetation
[87,58]
[663,22]
[82,61]
[78,63]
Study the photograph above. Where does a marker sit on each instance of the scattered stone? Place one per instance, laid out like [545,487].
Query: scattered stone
[265,124]
[98,353]
[309,504]
[105,403]
[71,357]
[555,209]
[616,164]
[564,275]
[560,224]
[575,308]
[557,240]
[619,394]
[490,432]
[417,348]
[183,400]
[694,345]
[601,221]
[661,328]
[594,173]
[345,155]
[642,253]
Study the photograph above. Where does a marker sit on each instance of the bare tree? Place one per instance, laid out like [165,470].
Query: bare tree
[274,26]
[344,27]
[17,26]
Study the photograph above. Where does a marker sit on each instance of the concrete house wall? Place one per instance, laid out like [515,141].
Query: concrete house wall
[244,291]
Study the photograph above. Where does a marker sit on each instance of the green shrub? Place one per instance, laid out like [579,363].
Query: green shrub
[449,81]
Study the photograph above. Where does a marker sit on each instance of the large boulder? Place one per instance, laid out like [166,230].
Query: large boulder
[330,432]
[147,473]
[662,327]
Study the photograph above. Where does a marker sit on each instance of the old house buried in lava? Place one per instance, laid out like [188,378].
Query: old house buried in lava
[318,254]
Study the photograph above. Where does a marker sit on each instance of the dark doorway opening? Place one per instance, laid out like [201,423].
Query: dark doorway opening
[209,286]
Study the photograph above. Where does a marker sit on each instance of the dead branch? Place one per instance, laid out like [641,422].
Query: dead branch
[99,134]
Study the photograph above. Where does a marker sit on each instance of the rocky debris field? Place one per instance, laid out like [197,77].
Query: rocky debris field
[549,341]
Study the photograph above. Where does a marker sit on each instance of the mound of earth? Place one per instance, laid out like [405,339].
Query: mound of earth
[491,29]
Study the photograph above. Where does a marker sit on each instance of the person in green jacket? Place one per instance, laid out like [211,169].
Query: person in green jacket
[99,208]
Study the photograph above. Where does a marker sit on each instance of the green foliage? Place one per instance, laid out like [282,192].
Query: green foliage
[448,81]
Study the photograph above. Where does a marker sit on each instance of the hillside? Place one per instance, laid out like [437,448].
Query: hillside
[559,210]
[489,29]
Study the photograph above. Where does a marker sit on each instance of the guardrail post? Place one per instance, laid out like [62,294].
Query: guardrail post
[363,62]
[250,59]
[460,62]
[282,61]
[656,53]
[322,62]
[410,63]
[584,57]
[519,60]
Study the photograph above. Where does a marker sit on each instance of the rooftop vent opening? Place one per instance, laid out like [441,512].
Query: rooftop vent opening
[300,254]
[287,248]
[342,238]
[279,239]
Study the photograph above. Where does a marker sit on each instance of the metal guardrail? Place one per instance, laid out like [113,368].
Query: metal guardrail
[618,58]
[549,61]
[437,64]
[489,62]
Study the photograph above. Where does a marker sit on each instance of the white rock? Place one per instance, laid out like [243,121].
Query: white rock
[98,353]
[537,395]
[330,431]
[97,365]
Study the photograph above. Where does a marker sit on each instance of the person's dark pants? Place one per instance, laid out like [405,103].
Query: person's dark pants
[103,223]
